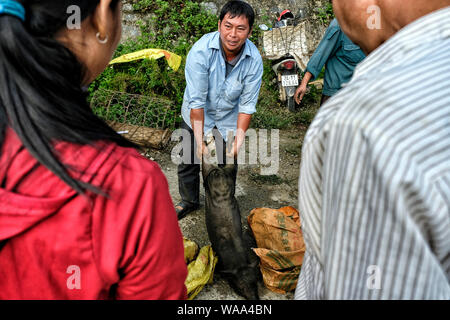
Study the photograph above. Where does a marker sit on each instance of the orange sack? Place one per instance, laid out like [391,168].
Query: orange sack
[280,246]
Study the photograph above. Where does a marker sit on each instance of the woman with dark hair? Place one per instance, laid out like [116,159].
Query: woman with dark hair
[82,214]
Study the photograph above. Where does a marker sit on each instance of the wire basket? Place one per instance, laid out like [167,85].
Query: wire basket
[294,37]
[142,119]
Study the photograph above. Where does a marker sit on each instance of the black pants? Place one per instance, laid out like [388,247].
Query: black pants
[324,99]
[189,172]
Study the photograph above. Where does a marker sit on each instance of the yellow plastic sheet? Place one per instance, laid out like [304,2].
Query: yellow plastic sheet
[190,250]
[200,270]
[173,60]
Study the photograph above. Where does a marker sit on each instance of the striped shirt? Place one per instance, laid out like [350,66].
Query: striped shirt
[374,188]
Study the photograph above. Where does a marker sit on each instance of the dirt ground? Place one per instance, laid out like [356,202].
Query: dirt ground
[253,190]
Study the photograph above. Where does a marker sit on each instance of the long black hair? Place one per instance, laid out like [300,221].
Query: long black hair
[41,97]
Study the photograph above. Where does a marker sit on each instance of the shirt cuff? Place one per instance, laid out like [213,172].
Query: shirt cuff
[313,72]
[197,105]
[247,109]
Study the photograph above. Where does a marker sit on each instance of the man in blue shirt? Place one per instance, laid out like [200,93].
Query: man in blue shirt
[223,78]
[339,54]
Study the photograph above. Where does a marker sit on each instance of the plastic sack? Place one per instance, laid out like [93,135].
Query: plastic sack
[200,270]
[280,246]
[173,59]
[190,250]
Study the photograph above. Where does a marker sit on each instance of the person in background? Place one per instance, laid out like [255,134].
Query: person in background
[223,79]
[339,55]
[374,188]
[82,214]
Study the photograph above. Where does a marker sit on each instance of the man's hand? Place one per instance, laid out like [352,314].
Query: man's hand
[234,150]
[303,87]
[300,93]
[202,149]
[242,126]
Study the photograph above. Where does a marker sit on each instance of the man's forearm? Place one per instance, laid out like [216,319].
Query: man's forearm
[243,124]
[197,122]
[306,78]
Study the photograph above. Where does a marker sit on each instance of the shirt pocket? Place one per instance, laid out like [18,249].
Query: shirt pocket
[352,54]
[233,90]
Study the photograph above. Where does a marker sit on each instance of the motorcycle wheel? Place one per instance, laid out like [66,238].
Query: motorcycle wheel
[291,104]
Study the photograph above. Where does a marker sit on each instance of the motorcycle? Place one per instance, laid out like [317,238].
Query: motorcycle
[284,64]
[288,80]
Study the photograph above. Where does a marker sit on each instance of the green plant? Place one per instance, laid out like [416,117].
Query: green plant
[172,25]
[175,25]
[272,114]
[326,14]
[270,180]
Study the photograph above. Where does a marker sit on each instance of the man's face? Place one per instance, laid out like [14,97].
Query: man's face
[234,32]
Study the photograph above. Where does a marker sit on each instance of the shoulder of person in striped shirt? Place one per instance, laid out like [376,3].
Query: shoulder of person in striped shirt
[374,188]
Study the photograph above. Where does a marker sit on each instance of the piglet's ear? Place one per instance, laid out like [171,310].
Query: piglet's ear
[230,169]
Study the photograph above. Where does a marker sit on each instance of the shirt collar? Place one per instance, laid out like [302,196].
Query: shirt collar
[235,59]
[430,28]
[215,44]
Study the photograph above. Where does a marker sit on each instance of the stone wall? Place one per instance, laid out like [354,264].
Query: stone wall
[130,28]
[262,7]
[271,8]
[266,11]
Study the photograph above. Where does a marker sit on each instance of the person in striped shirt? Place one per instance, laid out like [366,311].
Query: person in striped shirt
[374,188]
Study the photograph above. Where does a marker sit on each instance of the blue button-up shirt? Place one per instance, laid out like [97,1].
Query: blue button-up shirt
[339,54]
[207,86]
